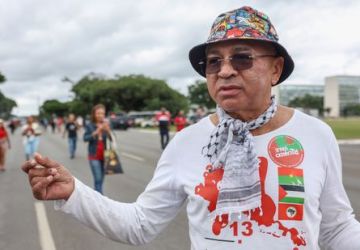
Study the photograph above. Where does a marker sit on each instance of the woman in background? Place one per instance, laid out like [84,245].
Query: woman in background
[96,134]
[4,144]
[31,133]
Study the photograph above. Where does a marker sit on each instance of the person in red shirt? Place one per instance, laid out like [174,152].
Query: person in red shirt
[4,144]
[180,121]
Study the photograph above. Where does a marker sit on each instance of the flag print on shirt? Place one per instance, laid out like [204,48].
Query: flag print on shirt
[263,217]
[291,193]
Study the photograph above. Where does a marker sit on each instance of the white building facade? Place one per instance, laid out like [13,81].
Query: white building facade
[340,91]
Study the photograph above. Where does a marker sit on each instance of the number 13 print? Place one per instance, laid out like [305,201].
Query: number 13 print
[246,230]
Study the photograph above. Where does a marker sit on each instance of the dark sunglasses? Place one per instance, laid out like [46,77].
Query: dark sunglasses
[212,65]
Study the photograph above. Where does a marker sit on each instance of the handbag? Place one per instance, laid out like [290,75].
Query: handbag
[112,163]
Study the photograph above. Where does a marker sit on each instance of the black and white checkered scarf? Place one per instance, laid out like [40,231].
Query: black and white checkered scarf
[231,147]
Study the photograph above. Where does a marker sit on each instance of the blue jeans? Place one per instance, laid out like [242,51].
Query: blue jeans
[72,146]
[97,169]
[164,138]
[31,147]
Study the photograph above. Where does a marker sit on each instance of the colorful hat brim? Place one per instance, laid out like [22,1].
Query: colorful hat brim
[197,54]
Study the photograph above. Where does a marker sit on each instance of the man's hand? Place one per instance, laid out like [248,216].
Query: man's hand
[48,179]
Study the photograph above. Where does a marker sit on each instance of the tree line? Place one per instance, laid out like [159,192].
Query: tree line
[126,93]
[141,93]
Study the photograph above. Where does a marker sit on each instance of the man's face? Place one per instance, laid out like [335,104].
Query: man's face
[247,90]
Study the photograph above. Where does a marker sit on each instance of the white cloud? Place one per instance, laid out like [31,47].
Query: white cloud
[40,42]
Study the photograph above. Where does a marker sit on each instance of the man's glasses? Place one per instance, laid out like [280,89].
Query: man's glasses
[212,65]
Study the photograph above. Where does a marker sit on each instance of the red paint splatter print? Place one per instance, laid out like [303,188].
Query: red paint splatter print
[263,216]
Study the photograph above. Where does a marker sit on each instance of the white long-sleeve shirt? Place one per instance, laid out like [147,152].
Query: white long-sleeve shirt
[304,203]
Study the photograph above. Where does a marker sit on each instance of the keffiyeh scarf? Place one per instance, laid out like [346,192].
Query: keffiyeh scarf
[231,147]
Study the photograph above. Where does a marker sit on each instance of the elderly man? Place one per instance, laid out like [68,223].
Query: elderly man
[256,175]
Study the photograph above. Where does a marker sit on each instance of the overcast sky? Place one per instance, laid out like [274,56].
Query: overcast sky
[42,41]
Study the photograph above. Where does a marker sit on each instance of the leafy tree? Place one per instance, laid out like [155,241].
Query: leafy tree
[198,94]
[77,107]
[54,107]
[309,102]
[133,92]
[351,110]
[6,104]
[2,78]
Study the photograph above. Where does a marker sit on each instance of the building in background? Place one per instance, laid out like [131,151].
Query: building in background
[341,91]
[288,92]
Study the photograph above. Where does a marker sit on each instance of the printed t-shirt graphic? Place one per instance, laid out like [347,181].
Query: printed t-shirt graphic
[287,152]
[291,193]
[263,216]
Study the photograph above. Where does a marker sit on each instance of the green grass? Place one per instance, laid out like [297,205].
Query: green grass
[345,128]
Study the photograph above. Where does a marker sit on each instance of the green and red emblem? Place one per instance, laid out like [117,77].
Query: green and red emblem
[286,151]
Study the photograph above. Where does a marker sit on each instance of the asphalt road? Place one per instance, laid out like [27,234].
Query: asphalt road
[140,152]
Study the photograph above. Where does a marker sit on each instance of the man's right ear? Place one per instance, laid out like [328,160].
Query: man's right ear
[278,66]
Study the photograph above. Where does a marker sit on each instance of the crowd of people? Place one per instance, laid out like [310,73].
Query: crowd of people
[95,131]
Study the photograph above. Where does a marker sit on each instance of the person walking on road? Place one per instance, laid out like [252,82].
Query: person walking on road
[4,144]
[53,123]
[199,114]
[254,175]
[180,121]
[163,118]
[12,126]
[71,128]
[31,137]
[96,134]
[59,123]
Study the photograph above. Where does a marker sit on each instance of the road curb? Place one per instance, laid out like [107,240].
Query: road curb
[151,131]
[349,142]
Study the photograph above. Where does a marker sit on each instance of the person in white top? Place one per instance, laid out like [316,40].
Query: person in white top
[255,175]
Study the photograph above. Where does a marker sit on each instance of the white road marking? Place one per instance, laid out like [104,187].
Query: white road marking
[46,239]
[134,157]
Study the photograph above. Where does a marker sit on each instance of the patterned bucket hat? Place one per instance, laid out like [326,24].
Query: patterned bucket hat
[244,23]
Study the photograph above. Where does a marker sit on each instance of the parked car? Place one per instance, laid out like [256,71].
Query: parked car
[120,121]
[143,119]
